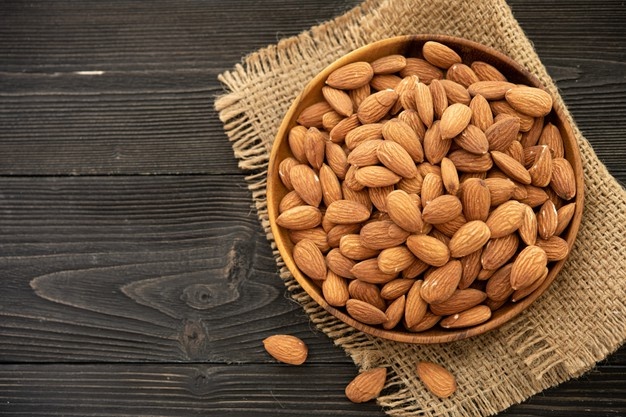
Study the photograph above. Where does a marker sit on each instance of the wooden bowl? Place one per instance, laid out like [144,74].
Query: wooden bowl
[412,46]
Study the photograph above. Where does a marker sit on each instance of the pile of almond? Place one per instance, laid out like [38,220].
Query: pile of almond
[424,191]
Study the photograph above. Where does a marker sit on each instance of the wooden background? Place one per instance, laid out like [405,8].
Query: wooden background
[134,276]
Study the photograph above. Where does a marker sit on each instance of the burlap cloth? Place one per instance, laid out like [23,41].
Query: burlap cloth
[579,321]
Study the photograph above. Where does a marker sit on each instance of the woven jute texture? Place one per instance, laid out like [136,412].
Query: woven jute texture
[577,322]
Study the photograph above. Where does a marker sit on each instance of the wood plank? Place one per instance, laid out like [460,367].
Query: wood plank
[140,269]
[150,111]
[250,390]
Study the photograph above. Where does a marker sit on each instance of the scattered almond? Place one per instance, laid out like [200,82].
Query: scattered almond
[437,379]
[286,348]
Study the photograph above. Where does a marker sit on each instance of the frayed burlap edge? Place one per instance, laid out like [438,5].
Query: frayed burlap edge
[502,367]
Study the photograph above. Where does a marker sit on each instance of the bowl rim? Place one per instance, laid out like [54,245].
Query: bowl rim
[407,42]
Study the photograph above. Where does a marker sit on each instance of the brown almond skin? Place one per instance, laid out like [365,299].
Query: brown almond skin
[296,143]
[396,288]
[487,72]
[501,134]
[473,140]
[505,219]
[347,212]
[469,238]
[563,180]
[440,100]
[290,200]
[468,162]
[472,317]
[435,149]
[396,158]
[368,271]
[338,100]
[437,379]
[316,234]
[428,322]
[530,100]
[497,252]
[511,167]
[415,307]
[491,90]
[366,386]
[389,64]
[499,284]
[284,168]
[528,267]
[402,133]
[335,290]
[395,312]
[309,259]
[440,55]
[462,74]
[307,184]
[376,176]
[476,199]
[454,120]
[351,76]
[382,234]
[428,249]
[555,248]
[394,260]
[422,68]
[471,267]
[341,129]
[547,220]
[404,212]
[461,300]
[299,218]
[442,209]
[528,228]
[551,137]
[441,283]
[339,264]
[450,176]
[456,93]
[365,312]
[312,115]
[286,348]
[365,291]
[481,113]
[375,106]
[351,247]
[337,159]
[564,216]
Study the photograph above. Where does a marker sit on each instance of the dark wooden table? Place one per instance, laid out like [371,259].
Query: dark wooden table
[134,276]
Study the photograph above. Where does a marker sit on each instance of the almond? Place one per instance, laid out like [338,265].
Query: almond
[331,119]
[491,90]
[462,74]
[424,103]
[541,171]
[299,218]
[526,291]
[564,216]
[309,259]
[378,195]
[389,64]
[352,248]
[286,348]
[556,248]
[335,290]
[441,283]
[505,219]
[367,385]
[361,195]
[535,196]
[347,212]
[432,187]
[481,113]
[476,199]
[551,137]
[428,249]
[404,212]
[296,140]
[461,300]
[339,264]
[290,200]
[547,221]
[396,288]
[531,137]
[307,184]
[331,189]
[406,94]
[471,267]
[341,129]
[563,180]
[437,379]
[528,228]
[369,293]
[511,167]
[449,176]
[472,317]
[363,133]
[400,132]
[365,153]
[442,209]
[394,313]
[336,159]
[317,235]
[498,251]
[440,55]
[465,161]
[339,100]
[529,100]
[376,176]
[456,93]
[499,285]
[394,260]
[528,267]
[396,158]
[377,105]
[351,76]
[382,82]
[435,149]
[501,134]
[440,100]
[473,140]
[486,72]
[284,168]
[422,68]
[500,190]
[454,120]
[500,107]
[312,115]
[382,234]
[364,312]
[359,94]
[415,307]
[469,238]
[425,323]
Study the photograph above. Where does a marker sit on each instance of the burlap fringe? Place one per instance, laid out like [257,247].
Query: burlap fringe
[544,363]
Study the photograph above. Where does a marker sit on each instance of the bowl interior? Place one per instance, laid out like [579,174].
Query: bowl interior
[412,46]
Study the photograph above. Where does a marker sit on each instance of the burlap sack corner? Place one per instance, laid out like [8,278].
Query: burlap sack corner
[579,321]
